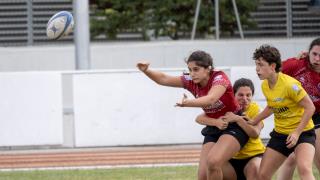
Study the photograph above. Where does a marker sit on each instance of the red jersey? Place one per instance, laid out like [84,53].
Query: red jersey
[310,80]
[226,103]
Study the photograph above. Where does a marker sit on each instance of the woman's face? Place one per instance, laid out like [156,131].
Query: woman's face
[244,96]
[314,57]
[199,75]
[263,69]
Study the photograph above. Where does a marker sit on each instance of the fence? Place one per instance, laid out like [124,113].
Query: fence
[23,22]
[285,18]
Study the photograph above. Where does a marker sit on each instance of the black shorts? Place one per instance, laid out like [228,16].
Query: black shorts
[278,141]
[316,120]
[212,134]
[239,165]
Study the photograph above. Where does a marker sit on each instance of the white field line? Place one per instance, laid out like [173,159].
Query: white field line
[100,167]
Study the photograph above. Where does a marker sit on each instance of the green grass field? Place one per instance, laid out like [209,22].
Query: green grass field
[155,173]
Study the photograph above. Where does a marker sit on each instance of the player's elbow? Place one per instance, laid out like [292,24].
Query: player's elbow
[255,134]
[311,108]
[198,120]
[210,101]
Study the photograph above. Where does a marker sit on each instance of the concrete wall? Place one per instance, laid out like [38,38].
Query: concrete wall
[111,107]
[99,108]
[31,109]
[169,54]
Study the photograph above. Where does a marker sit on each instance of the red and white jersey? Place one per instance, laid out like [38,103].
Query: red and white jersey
[226,103]
[310,80]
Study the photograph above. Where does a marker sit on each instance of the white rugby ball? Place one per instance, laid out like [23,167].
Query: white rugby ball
[60,25]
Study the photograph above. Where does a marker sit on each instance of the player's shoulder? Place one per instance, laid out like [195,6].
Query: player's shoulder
[254,105]
[289,82]
[186,76]
[252,110]
[286,78]
[293,63]
[217,75]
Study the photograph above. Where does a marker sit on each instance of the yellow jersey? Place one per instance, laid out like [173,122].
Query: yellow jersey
[283,100]
[254,146]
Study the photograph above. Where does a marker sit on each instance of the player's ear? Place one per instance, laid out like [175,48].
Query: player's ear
[273,65]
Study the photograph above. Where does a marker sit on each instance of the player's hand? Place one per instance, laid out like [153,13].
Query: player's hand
[230,117]
[183,101]
[292,140]
[221,124]
[302,55]
[143,66]
[252,123]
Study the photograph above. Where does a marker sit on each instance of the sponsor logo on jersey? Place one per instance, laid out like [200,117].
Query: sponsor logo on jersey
[218,106]
[278,99]
[217,78]
[302,80]
[187,77]
[314,98]
[295,88]
[280,110]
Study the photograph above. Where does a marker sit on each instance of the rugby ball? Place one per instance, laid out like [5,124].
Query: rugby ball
[60,25]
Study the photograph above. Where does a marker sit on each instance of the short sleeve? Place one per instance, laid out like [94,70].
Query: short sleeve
[253,110]
[296,92]
[221,80]
[292,66]
[186,81]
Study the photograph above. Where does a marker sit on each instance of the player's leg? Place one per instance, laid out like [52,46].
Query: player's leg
[316,121]
[317,152]
[287,168]
[224,149]
[238,166]
[228,172]
[202,169]
[304,156]
[270,163]
[252,168]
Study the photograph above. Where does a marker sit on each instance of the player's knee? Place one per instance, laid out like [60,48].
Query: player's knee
[251,170]
[291,160]
[213,163]
[264,175]
[304,169]
[202,174]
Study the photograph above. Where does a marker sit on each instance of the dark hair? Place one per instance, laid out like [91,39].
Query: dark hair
[315,42]
[201,59]
[269,54]
[243,82]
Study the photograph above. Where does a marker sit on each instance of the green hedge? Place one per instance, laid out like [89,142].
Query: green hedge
[165,18]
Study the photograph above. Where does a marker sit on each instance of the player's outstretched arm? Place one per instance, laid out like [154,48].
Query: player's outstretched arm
[159,77]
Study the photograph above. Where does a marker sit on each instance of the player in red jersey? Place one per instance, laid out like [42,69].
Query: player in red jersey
[213,93]
[305,69]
